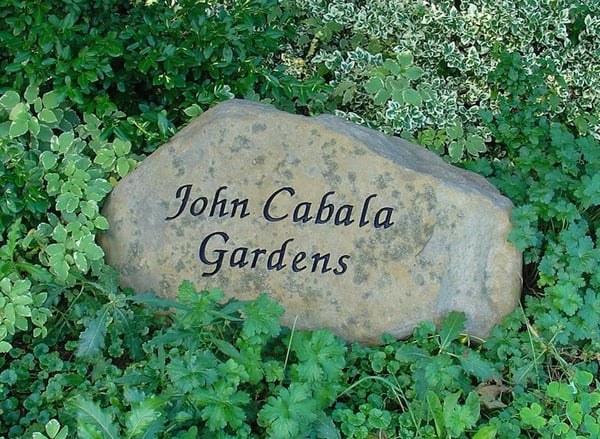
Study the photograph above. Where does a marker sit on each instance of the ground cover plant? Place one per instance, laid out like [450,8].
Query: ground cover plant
[505,88]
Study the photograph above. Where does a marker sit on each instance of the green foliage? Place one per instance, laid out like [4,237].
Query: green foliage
[126,62]
[504,88]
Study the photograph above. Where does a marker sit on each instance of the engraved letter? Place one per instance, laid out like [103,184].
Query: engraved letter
[387,220]
[220,203]
[324,207]
[279,254]
[346,219]
[363,215]
[342,264]
[187,188]
[266,210]
[220,253]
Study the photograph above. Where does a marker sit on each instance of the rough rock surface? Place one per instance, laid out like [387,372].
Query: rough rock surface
[345,227]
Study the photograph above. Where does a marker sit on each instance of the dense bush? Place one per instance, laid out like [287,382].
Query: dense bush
[505,88]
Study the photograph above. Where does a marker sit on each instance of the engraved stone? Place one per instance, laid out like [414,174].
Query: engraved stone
[346,227]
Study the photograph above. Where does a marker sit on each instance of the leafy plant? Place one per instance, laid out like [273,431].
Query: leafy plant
[504,88]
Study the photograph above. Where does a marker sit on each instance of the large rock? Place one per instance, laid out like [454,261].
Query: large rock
[345,227]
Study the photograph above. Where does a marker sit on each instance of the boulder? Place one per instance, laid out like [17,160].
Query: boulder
[346,227]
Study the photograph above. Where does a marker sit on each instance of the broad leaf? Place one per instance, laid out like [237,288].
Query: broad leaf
[452,327]
[91,339]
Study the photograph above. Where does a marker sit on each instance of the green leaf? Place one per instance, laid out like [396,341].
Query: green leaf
[437,412]
[31,93]
[531,416]
[142,417]
[81,262]
[47,116]
[458,418]
[105,158]
[405,58]
[52,428]
[34,126]
[88,412]
[455,131]
[122,166]
[262,317]
[89,208]
[475,145]
[193,110]
[101,223]
[51,99]
[374,85]
[55,249]
[452,327]
[10,99]
[288,415]
[92,250]
[560,391]
[474,364]
[20,112]
[392,66]
[193,371]
[487,432]
[91,339]
[5,347]
[121,147]
[48,160]
[455,150]
[381,97]
[20,287]
[18,128]
[412,97]
[67,202]
[414,72]
[574,413]
[65,140]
